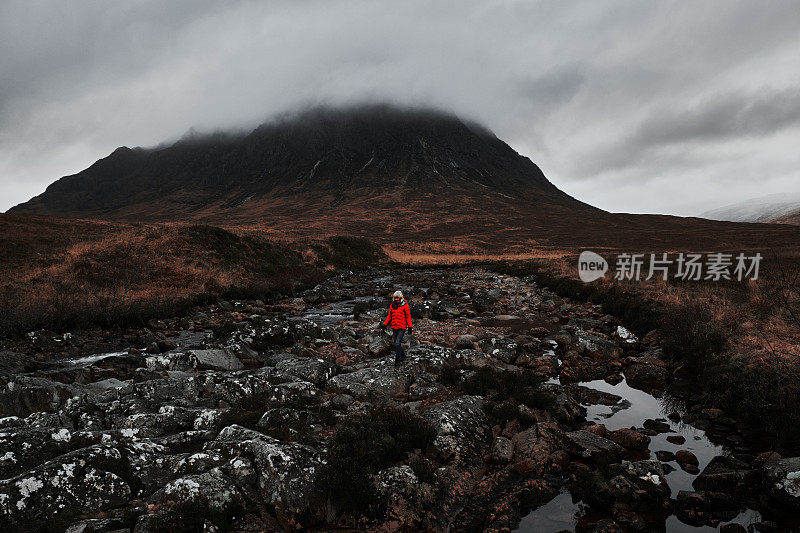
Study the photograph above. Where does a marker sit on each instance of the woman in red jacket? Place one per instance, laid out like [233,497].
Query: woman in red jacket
[399,318]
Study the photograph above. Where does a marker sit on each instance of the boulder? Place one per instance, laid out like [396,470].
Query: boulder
[598,347]
[537,451]
[646,376]
[588,445]
[781,480]
[379,346]
[503,349]
[464,421]
[465,341]
[630,439]
[214,360]
[502,450]
[316,371]
[82,481]
[283,473]
[568,410]
[685,457]
[726,474]
[375,383]
[210,495]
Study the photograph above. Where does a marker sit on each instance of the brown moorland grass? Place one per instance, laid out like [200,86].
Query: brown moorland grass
[66,274]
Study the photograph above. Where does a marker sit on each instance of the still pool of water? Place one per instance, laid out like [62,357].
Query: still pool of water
[562,513]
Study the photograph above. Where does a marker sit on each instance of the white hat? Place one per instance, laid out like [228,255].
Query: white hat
[397,293]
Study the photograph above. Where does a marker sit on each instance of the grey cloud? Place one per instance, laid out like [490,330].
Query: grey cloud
[599,94]
[725,115]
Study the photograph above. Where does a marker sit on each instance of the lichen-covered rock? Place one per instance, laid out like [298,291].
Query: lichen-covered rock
[81,481]
[503,349]
[23,395]
[289,423]
[379,346]
[596,345]
[375,383]
[210,494]
[641,486]
[502,450]
[285,472]
[406,498]
[781,479]
[317,371]
[463,419]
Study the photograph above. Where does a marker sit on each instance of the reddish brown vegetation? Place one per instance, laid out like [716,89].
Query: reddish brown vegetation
[60,273]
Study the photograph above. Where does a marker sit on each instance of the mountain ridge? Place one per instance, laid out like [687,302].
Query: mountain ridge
[325,156]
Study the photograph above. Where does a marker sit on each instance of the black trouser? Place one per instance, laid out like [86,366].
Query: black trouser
[397,338]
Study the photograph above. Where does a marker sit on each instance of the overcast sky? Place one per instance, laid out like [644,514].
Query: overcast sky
[661,107]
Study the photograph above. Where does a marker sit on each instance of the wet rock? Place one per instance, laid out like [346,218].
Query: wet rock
[726,474]
[665,456]
[630,439]
[692,507]
[587,395]
[567,409]
[214,360]
[576,368]
[646,374]
[676,439]
[587,445]
[659,426]
[685,457]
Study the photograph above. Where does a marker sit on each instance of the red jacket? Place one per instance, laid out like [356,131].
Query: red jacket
[399,317]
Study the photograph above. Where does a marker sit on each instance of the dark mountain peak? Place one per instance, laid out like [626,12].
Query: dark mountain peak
[320,156]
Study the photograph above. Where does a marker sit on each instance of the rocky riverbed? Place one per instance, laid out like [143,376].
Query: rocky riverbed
[519,410]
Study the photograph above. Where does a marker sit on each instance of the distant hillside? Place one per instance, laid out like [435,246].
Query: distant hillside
[763,209]
[789,218]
